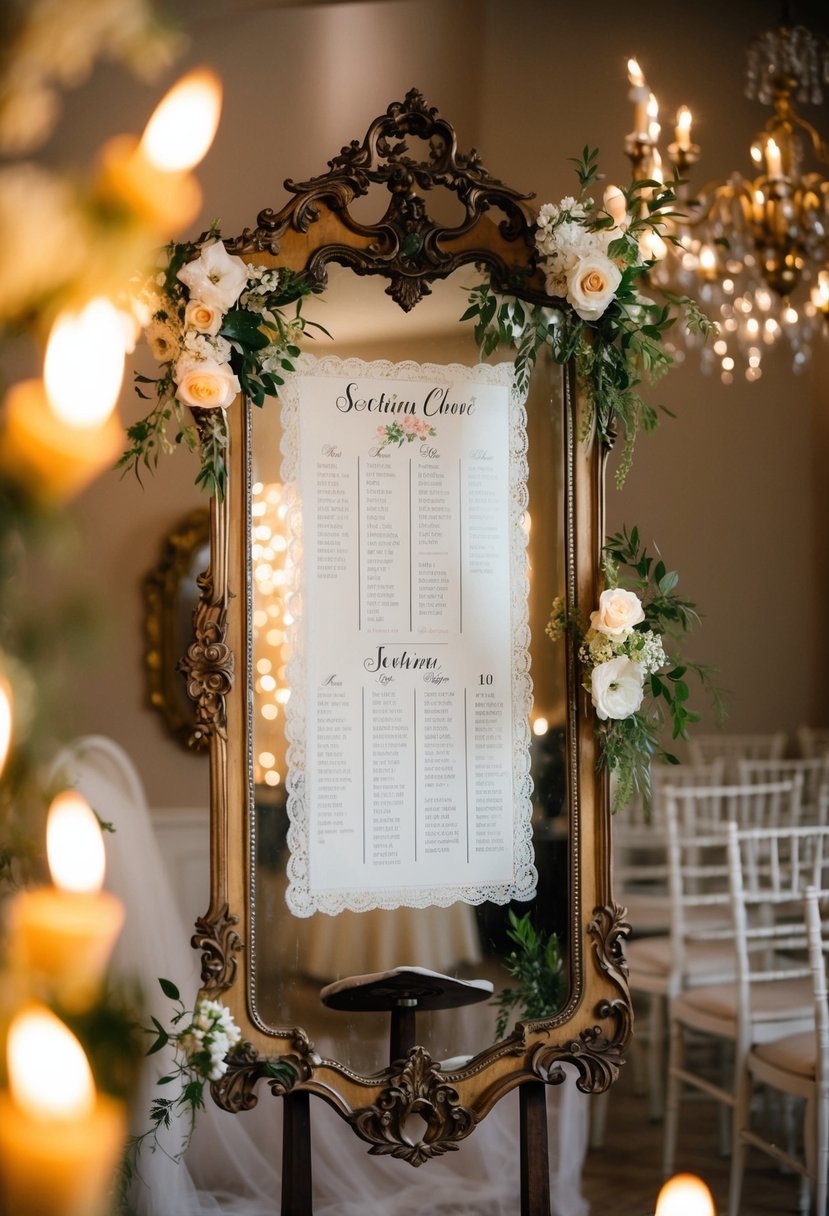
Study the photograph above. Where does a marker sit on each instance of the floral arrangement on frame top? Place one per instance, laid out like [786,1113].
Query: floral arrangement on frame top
[218,326]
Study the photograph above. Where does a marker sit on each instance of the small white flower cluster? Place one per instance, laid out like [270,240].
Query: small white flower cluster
[618,656]
[208,1039]
[574,258]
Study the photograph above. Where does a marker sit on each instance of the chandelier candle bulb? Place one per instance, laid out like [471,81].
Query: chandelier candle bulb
[682,130]
[774,159]
[49,456]
[59,1140]
[61,937]
[639,94]
[685,1195]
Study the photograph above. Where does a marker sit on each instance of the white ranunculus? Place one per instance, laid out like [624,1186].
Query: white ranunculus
[162,340]
[618,612]
[616,688]
[206,384]
[203,317]
[591,285]
[214,277]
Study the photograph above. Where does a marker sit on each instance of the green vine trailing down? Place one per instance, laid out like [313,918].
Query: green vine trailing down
[593,262]
[536,966]
[217,326]
[637,685]
[202,1040]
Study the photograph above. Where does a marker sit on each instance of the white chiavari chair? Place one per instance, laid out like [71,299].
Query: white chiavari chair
[814,772]
[813,741]
[721,745]
[772,995]
[796,1065]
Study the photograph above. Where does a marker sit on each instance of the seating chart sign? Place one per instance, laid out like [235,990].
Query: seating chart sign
[408,781]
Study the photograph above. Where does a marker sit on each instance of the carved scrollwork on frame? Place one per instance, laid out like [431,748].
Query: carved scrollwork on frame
[236,1090]
[597,1053]
[208,666]
[406,245]
[418,1090]
[219,943]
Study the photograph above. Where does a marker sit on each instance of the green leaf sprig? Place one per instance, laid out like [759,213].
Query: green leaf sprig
[537,967]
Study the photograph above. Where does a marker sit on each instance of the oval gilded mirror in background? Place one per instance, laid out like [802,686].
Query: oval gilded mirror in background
[171,592]
[294,957]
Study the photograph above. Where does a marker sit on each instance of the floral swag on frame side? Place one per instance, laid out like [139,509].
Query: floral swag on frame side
[635,684]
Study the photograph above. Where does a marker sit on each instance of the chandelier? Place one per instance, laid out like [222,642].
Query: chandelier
[753,250]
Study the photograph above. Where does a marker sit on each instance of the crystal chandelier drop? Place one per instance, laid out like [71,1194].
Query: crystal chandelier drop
[754,251]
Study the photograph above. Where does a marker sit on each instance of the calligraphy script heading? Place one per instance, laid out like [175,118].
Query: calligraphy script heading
[435,402]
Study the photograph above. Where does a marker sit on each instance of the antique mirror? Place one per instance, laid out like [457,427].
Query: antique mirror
[379,598]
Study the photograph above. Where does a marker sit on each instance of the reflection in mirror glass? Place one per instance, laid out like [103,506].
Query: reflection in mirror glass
[295,957]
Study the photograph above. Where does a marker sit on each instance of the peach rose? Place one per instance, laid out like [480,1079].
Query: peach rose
[618,612]
[206,384]
[591,284]
[205,318]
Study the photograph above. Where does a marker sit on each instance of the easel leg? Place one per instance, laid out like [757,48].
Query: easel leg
[535,1163]
[296,1155]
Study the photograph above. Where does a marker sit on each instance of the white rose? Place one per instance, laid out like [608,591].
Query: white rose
[203,317]
[207,384]
[591,284]
[616,688]
[618,612]
[215,277]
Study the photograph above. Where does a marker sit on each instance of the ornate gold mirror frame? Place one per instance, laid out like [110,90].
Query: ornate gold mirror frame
[409,249]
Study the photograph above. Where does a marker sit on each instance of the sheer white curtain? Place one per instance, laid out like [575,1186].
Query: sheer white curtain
[233,1165]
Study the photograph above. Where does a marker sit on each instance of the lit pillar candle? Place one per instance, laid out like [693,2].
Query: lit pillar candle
[685,1195]
[58,434]
[654,127]
[639,94]
[61,937]
[150,176]
[59,1140]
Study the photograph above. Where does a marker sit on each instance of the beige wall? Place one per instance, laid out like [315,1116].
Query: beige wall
[732,491]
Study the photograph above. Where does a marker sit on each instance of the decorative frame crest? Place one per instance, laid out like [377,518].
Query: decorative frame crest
[407,247]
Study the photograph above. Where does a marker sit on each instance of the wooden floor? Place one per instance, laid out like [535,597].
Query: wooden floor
[623,1178]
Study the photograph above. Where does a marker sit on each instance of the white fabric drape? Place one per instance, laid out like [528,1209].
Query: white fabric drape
[233,1165]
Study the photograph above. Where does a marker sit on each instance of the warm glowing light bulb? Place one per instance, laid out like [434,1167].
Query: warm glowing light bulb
[540,726]
[635,75]
[653,108]
[49,1075]
[707,259]
[685,1195]
[84,364]
[757,154]
[183,124]
[74,844]
[774,161]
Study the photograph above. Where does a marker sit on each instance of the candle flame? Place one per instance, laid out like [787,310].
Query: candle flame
[757,154]
[653,108]
[684,118]
[685,1195]
[5,720]
[183,124]
[635,76]
[84,364]
[74,844]
[49,1074]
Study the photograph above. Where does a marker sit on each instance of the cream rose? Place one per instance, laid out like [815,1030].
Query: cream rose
[208,385]
[616,688]
[591,284]
[204,318]
[618,612]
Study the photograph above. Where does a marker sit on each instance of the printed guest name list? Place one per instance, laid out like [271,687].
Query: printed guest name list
[408,637]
